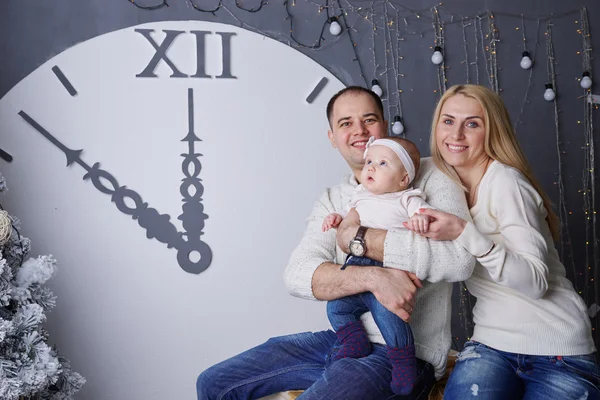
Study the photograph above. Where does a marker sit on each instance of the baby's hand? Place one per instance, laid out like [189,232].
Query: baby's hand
[419,223]
[331,221]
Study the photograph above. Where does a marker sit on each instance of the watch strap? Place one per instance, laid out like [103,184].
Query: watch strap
[360,233]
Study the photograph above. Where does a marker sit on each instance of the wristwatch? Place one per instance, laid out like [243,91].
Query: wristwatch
[357,245]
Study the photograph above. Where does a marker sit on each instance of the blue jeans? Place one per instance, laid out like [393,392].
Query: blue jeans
[484,373]
[302,362]
[341,312]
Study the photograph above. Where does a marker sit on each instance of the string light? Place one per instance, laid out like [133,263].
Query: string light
[535,47]
[376,88]
[525,61]
[318,43]
[592,256]
[586,81]
[437,57]
[397,126]
[466,60]
[493,53]
[476,62]
[565,236]
[549,94]
[334,26]
[396,61]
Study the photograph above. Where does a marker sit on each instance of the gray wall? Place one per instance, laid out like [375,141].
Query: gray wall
[33,31]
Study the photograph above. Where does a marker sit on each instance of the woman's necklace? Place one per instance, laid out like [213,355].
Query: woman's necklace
[472,198]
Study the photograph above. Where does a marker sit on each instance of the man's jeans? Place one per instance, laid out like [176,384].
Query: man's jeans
[484,373]
[342,312]
[302,362]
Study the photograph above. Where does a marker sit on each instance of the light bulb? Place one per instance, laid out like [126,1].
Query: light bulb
[376,88]
[334,26]
[437,56]
[586,81]
[526,61]
[549,94]
[397,126]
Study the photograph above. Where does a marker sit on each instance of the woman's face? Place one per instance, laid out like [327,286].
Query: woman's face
[460,132]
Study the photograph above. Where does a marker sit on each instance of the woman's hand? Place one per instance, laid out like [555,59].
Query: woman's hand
[347,230]
[442,226]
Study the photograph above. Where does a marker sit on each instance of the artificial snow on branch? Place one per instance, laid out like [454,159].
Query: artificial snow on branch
[29,368]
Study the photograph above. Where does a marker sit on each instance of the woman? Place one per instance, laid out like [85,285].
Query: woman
[532,337]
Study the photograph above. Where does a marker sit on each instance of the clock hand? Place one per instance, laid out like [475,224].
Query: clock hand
[72,155]
[157,225]
[193,215]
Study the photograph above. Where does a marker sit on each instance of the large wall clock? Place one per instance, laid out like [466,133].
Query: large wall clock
[157,150]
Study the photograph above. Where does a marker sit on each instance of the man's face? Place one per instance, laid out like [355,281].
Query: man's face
[355,118]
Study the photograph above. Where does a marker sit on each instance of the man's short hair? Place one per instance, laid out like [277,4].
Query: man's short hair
[353,90]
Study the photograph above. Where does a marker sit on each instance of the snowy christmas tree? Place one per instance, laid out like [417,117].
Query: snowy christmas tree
[29,368]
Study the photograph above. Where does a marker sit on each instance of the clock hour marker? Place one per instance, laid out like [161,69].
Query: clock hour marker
[63,79]
[315,92]
[5,156]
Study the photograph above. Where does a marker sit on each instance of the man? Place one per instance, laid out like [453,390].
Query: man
[302,361]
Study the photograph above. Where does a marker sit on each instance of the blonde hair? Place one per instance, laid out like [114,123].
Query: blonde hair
[500,144]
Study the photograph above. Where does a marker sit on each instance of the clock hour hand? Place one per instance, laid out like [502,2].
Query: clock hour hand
[191,189]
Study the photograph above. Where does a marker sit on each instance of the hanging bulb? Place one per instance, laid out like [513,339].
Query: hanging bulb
[334,26]
[376,88]
[586,81]
[526,61]
[549,94]
[437,56]
[397,126]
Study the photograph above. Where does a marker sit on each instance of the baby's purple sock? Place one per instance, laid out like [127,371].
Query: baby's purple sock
[354,342]
[404,369]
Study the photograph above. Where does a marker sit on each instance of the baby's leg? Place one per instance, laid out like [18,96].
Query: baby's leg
[399,339]
[344,316]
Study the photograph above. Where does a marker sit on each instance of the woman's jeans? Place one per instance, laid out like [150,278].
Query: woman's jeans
[484,373]
[346,310]
[302,362]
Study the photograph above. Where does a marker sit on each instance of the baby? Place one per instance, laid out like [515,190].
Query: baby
[383,200]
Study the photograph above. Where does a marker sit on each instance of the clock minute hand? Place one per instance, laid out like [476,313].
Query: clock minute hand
[157,225]
[72,155]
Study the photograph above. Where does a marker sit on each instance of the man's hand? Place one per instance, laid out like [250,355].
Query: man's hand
[413,277]
[347,230]
[395,290]
[333,220]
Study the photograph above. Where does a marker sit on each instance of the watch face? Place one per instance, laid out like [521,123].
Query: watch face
[356,248]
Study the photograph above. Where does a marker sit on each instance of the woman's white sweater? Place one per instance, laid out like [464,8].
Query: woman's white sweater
[525,304]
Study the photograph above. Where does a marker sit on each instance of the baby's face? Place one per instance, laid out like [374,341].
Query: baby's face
[383,171]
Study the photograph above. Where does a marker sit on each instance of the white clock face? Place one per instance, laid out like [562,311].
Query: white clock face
[265,158]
